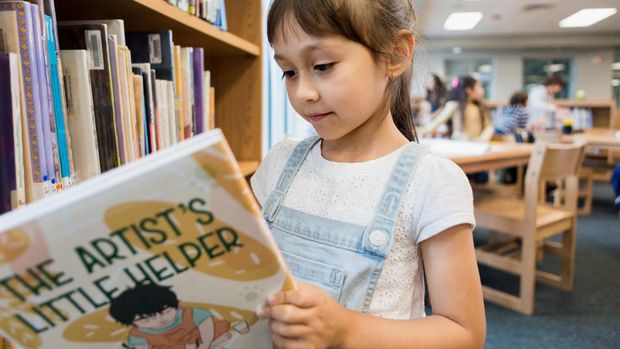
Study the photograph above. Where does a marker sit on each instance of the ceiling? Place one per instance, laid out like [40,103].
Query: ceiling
[508,18]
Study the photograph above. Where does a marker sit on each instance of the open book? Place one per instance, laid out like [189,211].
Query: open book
[168,251]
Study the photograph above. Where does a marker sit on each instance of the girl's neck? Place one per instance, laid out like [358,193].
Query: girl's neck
[370,141]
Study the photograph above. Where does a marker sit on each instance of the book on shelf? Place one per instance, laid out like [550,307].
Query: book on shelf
[81,113]
[179,231]
[12,187]
[16,18]
[94,39]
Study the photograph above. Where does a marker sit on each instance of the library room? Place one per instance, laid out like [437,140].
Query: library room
[257,174]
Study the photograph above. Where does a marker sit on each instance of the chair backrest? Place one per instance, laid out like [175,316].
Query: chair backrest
[553,162]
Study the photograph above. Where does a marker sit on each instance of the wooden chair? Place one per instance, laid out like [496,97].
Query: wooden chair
[531,220]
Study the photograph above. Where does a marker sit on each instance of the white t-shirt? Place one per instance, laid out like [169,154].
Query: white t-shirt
[437,198]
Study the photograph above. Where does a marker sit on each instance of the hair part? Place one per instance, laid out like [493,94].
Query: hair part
[375,24]
[147,299]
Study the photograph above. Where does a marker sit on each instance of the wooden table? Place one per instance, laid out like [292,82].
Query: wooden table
[601,138]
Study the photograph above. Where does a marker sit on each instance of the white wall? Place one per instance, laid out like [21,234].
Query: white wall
[591,69]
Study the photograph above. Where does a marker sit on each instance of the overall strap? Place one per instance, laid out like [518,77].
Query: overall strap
[378,235]
[276,198]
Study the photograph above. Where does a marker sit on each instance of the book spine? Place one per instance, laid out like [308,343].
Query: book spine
[45,99]
[198,68]
[16,24]
[116,100]
[59,115]
[12,191]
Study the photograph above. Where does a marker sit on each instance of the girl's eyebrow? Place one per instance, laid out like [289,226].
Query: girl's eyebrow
[304,51]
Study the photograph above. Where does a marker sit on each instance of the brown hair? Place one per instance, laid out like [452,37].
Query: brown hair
[554,80]
[518,98]
[372,23]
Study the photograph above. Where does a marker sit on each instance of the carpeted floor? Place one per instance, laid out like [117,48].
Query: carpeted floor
[588,317]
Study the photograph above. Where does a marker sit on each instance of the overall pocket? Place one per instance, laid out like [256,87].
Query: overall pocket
[327,277]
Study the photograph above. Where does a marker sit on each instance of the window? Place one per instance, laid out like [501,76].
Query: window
[482,69]
[536,70]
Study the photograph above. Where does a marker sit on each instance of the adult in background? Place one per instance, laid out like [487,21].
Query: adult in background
[543,111]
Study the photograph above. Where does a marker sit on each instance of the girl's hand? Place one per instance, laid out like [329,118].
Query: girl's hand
[305,318]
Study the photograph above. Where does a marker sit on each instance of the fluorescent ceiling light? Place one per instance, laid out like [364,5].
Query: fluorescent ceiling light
[615,66]
[587,17]
[615,82]
[462,20]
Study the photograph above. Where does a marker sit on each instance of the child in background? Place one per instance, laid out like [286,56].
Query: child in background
[514,117]
[358,210]
[465,110]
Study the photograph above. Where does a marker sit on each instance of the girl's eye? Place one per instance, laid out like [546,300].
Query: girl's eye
[288,74]
[323,67]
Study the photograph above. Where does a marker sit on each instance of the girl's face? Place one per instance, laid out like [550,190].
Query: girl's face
[476,93]
[332,82]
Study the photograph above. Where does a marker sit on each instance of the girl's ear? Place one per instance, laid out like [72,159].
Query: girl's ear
[400,60]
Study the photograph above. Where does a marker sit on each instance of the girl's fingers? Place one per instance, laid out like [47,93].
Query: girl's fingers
[289,343]
[305,296]
[289,330]
[291,314]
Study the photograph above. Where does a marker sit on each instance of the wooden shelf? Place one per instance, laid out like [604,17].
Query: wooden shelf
[146,15]
[248,167]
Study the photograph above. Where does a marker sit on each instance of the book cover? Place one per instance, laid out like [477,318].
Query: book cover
[155,48]
[80,113]
[198,69]
[12,188]
[196,252]
[18,37]
[93,38]
[114,26]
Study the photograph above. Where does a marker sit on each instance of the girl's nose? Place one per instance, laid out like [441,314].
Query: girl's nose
[306,90]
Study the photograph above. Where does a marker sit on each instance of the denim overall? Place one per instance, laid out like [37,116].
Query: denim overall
[344,259]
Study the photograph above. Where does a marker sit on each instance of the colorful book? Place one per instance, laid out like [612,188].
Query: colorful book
[18,37]
[93,38]
[46,102]
[64,145]
[12,187]
[81,113]
[198,70]
[144,69]
[179,230]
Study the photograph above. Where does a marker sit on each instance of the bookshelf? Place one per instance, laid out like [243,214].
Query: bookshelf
[233,57]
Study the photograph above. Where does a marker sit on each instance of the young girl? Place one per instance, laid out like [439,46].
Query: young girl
[360,209]
[464,109]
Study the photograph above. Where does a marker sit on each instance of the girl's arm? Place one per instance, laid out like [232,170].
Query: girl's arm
[309,318]
[442,117]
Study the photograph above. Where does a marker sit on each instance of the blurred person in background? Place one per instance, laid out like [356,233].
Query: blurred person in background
[465,111]
[543,111]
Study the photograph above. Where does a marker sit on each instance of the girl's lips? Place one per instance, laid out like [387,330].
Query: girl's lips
[318,117]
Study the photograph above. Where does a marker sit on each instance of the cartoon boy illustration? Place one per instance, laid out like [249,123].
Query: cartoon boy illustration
[157,321]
